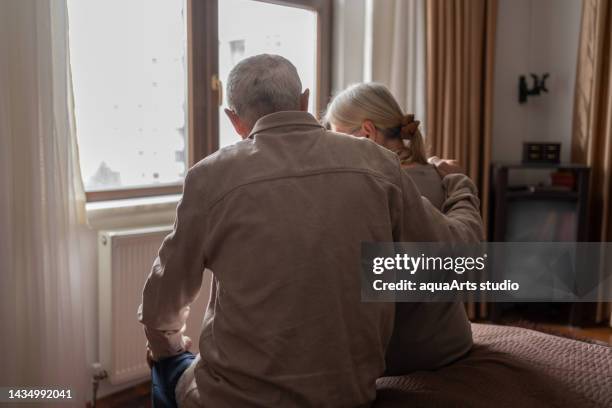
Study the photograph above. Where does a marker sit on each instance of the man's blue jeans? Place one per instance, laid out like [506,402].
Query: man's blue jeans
[164,377]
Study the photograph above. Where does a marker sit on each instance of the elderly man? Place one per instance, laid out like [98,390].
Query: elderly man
[279,217]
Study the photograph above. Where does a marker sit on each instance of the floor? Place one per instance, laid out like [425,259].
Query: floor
[136,397]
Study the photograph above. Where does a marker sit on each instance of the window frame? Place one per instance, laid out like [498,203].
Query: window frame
[204,95]
[203,40]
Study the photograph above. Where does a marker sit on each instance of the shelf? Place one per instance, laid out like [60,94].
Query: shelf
[557,166]
[542,194]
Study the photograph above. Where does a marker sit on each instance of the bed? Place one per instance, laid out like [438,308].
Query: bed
[510,367]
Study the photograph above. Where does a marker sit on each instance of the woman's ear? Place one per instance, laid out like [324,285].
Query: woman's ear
[369,130]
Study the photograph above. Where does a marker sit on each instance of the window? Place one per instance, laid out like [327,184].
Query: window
[147,78]
[248,28]
[128,62]
[224,32]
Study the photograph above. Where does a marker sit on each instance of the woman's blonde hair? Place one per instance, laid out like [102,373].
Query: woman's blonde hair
[373,101]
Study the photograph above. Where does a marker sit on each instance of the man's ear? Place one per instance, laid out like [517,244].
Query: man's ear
[238,124]
[304,100]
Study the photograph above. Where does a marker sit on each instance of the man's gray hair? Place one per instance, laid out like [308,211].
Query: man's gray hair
[263,84]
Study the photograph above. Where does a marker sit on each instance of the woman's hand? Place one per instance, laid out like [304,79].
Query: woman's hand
[446,166]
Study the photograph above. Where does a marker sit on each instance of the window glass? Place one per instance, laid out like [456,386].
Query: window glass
[248,27]
[129,74]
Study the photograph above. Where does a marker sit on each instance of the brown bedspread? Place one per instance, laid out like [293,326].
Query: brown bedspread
[510,367]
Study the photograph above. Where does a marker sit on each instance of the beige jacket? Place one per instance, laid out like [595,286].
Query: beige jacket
[279,219]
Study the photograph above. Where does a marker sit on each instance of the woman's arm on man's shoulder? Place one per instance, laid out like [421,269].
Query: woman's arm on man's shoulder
[459,221]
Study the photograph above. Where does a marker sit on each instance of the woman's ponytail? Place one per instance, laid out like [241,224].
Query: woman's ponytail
[409,130]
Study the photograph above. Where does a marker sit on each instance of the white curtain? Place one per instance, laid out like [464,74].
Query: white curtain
[398,51]
[41,205]
[382,41]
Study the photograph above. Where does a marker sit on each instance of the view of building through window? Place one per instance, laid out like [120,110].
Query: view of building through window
[248,27]
[129,73]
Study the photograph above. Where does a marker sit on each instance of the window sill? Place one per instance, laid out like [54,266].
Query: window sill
[133,212]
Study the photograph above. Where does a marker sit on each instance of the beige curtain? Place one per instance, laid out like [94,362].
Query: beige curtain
[460,37]
[592,133]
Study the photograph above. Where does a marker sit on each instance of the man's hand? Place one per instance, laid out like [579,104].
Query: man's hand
[151,360]
[446,166]
[188,343]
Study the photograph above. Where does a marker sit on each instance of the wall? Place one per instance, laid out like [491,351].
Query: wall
[534,36]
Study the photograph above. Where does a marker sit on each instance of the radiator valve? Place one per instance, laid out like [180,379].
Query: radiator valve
[98,374]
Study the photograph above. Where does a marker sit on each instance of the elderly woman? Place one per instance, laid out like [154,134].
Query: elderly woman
[426,336]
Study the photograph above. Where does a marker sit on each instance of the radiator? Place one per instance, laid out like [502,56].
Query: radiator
[125,258]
